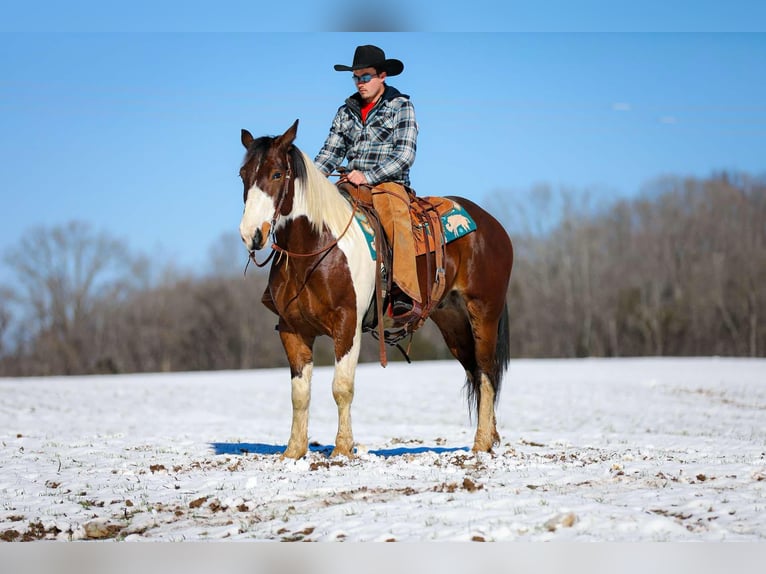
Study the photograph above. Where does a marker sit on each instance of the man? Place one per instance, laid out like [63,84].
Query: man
[376,130]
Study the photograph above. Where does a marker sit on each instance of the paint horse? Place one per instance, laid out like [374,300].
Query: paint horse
[324,282]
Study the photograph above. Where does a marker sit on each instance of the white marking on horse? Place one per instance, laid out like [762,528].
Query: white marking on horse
[343,393]
[259,211]
[301,397]
[360,266]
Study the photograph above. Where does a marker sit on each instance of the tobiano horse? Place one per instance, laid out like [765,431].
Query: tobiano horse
[324,283]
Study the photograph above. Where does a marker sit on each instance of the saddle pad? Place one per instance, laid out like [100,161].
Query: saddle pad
[369,234]
[456,222]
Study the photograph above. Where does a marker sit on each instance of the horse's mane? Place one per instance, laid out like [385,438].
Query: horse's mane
[316,197]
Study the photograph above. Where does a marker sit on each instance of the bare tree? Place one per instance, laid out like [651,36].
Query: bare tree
[62,274]
[5,318]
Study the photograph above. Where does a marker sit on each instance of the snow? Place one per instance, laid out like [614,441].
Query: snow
[617,450]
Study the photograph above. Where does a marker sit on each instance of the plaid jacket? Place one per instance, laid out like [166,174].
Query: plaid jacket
[383,148]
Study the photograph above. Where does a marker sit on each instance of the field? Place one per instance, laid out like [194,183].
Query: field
[592,450]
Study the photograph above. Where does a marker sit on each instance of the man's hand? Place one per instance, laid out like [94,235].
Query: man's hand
[356,177]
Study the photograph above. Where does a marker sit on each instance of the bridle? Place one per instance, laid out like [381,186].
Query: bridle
[277,213]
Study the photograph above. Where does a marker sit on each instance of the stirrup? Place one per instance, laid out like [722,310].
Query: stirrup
[392,334]
[401,306]
[405,312]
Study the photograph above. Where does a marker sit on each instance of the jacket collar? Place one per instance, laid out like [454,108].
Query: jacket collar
[354,101]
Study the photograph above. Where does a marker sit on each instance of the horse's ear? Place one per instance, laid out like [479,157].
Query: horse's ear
[287,138]
[247,139]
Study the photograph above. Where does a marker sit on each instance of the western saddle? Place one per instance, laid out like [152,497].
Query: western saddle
[426,270]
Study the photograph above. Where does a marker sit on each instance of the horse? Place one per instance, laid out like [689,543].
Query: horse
[323,282]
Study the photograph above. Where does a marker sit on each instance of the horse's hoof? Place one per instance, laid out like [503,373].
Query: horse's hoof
[477,447]
[349,454]
[293,454]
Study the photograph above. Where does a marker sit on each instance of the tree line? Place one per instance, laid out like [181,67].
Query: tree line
[677,270]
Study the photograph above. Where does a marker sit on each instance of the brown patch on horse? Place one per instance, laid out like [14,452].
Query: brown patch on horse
[315,296]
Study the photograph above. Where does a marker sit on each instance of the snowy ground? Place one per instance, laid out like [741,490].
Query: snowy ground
[592,450]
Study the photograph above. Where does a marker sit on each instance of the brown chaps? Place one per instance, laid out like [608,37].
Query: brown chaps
[392,203]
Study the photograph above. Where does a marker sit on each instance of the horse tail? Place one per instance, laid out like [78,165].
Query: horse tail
[502,351]
[502,358]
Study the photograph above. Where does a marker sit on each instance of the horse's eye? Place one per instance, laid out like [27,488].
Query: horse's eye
[277,175]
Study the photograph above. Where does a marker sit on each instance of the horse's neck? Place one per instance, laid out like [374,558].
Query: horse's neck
[299,235]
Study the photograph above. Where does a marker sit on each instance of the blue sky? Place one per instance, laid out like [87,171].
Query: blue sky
[136,129]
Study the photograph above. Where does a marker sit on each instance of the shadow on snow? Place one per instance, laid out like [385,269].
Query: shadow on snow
[241,448]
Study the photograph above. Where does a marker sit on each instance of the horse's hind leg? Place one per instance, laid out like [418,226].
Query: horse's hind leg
[300,356]
[485,387]
[474,346]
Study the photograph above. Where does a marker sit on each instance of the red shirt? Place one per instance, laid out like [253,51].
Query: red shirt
[366,110]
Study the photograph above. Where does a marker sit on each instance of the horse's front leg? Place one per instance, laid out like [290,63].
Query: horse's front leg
[346,359]
[300,356]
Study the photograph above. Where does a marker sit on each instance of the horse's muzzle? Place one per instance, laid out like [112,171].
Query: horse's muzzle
[256,242]
[253,242]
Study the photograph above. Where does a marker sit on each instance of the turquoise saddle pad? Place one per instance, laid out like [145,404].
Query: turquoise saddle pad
[456,223]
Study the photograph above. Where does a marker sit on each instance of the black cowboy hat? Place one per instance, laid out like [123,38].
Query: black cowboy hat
[372,57]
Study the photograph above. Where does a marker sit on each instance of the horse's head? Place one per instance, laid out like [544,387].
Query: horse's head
[268,174]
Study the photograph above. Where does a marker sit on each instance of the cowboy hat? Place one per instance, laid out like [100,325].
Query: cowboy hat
[372,57]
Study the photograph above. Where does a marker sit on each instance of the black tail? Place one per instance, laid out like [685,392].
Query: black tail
[502,358]
[502,352]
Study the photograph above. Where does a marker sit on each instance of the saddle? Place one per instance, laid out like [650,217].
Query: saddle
[425,282]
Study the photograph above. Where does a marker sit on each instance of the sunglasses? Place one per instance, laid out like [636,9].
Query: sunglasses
[364,78]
